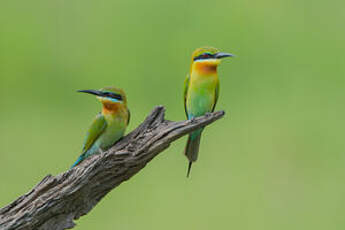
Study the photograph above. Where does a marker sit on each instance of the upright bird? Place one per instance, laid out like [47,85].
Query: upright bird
[109,125]
[201,89]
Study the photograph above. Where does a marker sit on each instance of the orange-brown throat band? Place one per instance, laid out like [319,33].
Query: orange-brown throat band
[110,107]
[205,68]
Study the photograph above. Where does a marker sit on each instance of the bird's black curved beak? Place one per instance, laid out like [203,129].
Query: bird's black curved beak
[223,55]
[91,91]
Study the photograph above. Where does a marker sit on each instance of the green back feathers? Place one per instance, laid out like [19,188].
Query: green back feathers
[185,91]
[95,130]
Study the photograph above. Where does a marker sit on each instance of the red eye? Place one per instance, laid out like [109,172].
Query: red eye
[203,56]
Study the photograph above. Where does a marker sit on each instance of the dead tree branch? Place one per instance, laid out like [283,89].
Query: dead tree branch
[56,201]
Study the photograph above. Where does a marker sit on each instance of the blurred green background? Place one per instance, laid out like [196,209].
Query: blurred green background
[277,159]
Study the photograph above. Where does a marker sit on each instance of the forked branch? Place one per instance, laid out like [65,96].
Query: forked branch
[56,201]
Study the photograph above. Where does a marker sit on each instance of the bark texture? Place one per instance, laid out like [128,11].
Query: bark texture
[56,201]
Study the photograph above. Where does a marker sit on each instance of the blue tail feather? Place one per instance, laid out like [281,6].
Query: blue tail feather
[80,159]
[192,148]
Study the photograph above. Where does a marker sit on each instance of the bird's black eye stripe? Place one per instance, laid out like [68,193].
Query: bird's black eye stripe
[117,96]
[113,95]
[204,56]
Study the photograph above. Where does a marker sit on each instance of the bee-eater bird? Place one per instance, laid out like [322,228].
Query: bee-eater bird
[109,125]
[201,90]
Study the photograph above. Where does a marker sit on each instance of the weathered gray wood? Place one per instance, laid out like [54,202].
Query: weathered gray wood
[56,201]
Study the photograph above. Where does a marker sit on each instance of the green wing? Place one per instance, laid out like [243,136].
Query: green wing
[129,117]
[96,129]
[216,96]
[186,85]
